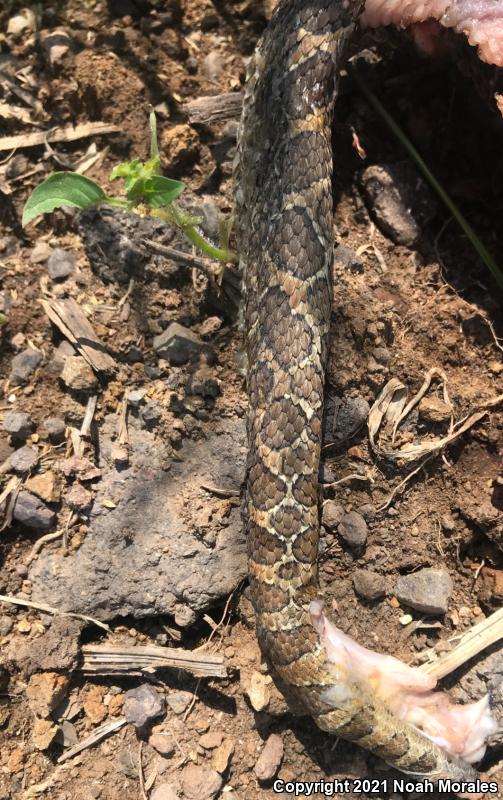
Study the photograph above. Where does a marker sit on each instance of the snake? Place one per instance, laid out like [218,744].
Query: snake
[283,207]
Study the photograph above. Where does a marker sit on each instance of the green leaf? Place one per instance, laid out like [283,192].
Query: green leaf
[62,189]
[159,191]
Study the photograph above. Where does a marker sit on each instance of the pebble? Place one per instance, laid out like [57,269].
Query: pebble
[40,253]
[178,345]
[331,514]
[203,383]
[406,619]
[180,145]
[43,733]
[448,523]
[24,460]
[60,264]
[222,755]
[353,529]
[94,707]
[258,690]
[350,416]
[67,734]
[55,428]
[151,415]
[56,44]
[434,410]
[163,744]
[347,259]
[78,375]
[142,705]
[135,397]
[270,758]
[18,424]
[427,590]
[211,740]
[17,24]
[23,365]
[165,791]
[212,65]
[179,701]
[45,691]
[32,512]
[200,783]
[6,625]
[5,302]
[79,498]
[369,585]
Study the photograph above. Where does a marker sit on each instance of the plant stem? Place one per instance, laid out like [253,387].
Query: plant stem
[456,213]
[176,217]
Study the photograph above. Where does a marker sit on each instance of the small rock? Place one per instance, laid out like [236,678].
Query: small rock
[142,705]
[434,410]
[151,415]
[55,428]
[32,512]
[270,758]
[135,397]
[80,466]
[165,791]
[211,740]
[222,755]
[46,486]
[164,745]
[448,523]
[24,460]
[18,424]
[369,585]
[78,375]
[45,691]
[203,383]
[94,707]
[40,253]
[200,783]
[6,625]
[67,734]
[331,514]
[179,701]
[353,529]
[382,355]
[79,498]
[351,414]
[347,259]
[119,454]
[60,264]
[406,619]
[490,587]
[24,365]
[56,45]
[17,25]
[258,690]
[427,590]
[127,764]
[212,65]
[43,733]
[180,145]
[5,302]
[399,200]
[178,344]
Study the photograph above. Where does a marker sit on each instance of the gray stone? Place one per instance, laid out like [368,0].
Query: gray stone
[165,791]
[382,355]
[369,585]
[32,512]
[60,265]
[155,525]
[178,344]
[6,625]
[203,383]
[427,590]
[151,414]
[353,529]
[212,65]
[200,783]
[18,424]
[347,259]
[40,253]
[350,414]
[24,365]
[79,498]
[135,397]
[24,460]
[78,375]
[55,428]
[179,701]
[399,200]
[142,705]
[270,758]
[331,514]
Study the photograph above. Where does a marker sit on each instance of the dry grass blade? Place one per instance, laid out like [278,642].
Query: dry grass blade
[96,736]
[475,640]
[18,601]
[104,659]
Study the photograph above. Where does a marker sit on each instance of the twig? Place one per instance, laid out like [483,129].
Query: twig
[127,295]
[180,257]
[402,484]
[475,640]
[140,772]
[49,537]
[70,134]
[192,702]
[88,416]
[353,476]
[96,736]
[18,601]
[105,659]
[221,492]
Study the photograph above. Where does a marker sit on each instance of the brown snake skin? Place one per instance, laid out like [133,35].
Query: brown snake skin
[284,213]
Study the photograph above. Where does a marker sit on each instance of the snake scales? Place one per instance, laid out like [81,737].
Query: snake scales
[284,210]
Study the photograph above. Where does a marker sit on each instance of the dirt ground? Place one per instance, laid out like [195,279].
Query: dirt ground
[410,296]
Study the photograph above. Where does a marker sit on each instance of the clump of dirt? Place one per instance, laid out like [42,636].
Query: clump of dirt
[120,487]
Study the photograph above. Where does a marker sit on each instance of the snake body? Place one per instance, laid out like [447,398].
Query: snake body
[284,217]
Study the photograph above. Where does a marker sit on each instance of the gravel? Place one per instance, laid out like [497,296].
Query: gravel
[427,590]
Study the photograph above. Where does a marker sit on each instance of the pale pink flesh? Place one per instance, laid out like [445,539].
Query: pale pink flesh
[405,691]
[481,21]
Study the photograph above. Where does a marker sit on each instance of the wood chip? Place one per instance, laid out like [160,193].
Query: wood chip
[104,659]
[70,134]
[68,316]
[96,736]
[216,108]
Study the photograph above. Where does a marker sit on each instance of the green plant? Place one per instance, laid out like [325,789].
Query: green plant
[148,192]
